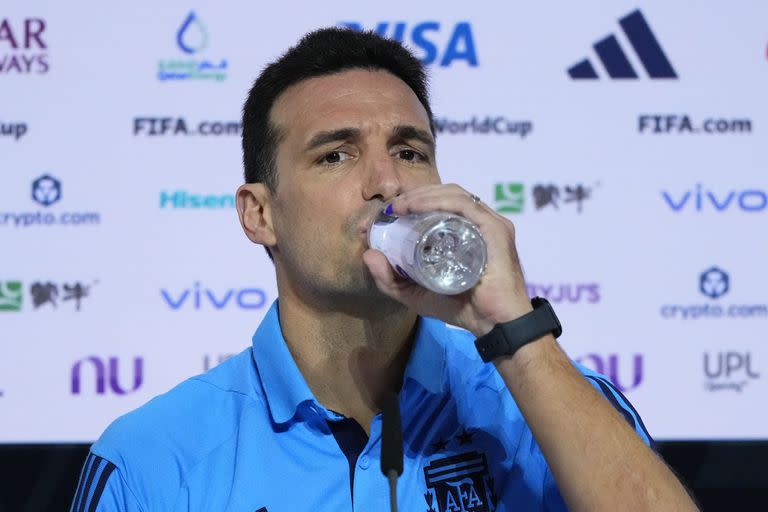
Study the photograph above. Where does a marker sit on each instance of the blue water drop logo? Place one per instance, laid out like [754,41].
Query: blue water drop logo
[192,36]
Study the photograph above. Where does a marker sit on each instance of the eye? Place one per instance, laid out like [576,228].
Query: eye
[334,157]
[410,155]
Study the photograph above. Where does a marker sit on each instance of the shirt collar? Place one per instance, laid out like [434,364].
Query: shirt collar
[286,389]
[284,385]
[426,365]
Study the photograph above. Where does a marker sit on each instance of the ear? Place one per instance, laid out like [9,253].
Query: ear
[254,207]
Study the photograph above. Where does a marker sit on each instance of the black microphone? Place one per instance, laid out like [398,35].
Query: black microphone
[391,445]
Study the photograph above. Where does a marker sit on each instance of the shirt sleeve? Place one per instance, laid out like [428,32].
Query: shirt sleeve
[102,489]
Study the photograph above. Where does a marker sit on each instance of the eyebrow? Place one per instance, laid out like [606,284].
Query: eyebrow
[323,138]
[401,132]
[408,132]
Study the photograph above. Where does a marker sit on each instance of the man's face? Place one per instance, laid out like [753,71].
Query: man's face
[350,142]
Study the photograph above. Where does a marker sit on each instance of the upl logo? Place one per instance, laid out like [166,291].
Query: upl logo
[199,297]
[729,370]
[106,372]
[703,199]
[435,43]
[614,58]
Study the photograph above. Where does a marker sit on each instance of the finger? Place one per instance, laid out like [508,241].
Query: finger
[387,281]
[449,198]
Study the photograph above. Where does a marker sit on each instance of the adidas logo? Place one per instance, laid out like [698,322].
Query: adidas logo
[614,59]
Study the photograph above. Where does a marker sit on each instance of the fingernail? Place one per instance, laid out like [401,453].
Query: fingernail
[388,209]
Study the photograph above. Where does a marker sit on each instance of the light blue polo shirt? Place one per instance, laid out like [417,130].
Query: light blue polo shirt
[250,436]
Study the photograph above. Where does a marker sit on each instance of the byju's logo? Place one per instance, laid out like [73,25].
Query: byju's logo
[728,371]
[509,197]
[561,293]
[192,39]
[487,125]
[44,295]
[22,47]
[10,296]
[13,130]
[181,199]
[700,199]
[107,373]
[714,283]
[46,190]
[615,60]
[626,377]
[434,43]
[200,298]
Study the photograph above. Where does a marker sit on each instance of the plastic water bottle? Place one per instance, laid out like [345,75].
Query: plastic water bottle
[441,251]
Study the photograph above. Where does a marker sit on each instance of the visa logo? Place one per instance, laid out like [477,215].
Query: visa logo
[199,297]
[442,45]
[700,199]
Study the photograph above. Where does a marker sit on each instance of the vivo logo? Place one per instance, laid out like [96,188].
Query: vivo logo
[700,199]
[107,373]
[625,377]
[199,298]
[427,38]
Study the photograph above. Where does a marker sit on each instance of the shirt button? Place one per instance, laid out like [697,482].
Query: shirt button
[364,462]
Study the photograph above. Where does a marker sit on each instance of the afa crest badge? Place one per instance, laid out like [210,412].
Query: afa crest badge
[460,484]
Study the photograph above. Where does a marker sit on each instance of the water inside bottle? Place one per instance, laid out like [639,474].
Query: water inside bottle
[451,255]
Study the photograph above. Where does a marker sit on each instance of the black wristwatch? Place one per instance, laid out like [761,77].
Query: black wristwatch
[505,339]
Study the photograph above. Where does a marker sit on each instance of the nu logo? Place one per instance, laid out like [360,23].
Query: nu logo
[615,60]
[107,372]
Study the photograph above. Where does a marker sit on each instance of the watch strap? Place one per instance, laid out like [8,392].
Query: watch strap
[506,338]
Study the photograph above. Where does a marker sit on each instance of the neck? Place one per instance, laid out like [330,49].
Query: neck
[350,354]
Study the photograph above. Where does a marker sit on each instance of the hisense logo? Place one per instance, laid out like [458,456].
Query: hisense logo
[182,199]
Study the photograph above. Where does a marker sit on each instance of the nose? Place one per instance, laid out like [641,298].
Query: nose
[382,180]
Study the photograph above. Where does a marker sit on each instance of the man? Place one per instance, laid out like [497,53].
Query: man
[334,131]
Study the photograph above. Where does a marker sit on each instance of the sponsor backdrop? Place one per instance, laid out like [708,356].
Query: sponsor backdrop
[625,141]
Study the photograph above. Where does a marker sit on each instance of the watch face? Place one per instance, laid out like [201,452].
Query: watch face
[541,302]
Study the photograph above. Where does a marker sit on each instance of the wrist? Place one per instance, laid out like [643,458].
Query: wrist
[513,312]
[507,337]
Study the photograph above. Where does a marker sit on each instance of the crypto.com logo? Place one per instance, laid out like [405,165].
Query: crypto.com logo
[713,283]
[46,190]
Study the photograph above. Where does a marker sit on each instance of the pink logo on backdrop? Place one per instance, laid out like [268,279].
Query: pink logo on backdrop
[106,372]
[625,375]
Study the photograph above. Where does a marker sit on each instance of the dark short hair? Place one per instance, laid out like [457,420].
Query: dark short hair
[322,52]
